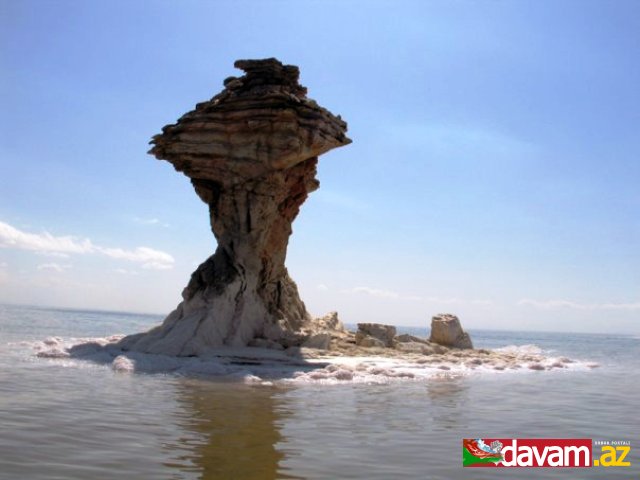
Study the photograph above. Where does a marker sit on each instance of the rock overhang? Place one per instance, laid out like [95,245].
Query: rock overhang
[260,123]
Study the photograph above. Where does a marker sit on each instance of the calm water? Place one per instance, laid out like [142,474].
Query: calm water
[62,419]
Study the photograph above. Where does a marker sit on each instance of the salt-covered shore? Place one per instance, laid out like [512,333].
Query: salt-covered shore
[347,364]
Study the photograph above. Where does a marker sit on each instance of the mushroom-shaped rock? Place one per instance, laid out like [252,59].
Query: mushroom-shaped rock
[251,154]
[446,330]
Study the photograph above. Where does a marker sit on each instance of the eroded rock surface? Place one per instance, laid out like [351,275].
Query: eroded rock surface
[446,330]
[375,335]
[251,154]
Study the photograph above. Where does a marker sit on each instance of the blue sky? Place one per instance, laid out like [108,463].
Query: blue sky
[494,170]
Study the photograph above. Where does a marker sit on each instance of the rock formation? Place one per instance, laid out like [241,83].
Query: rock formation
[375,335]
[251,154]
[446,330]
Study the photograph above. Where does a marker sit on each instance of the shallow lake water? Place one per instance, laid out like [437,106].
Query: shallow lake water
[70,419]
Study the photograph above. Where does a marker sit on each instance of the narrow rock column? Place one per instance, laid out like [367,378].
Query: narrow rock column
[251,154]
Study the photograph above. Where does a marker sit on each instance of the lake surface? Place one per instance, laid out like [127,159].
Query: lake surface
[72,419]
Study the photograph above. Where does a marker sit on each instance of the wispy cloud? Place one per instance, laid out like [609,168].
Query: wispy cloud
[482,302]
[461,140]
[53,267]
[342,200]
[322,287]
[374,292]
[458,301]
[42,242]
[151,221]
[45,243]
[53,254]
[150,258]
[551,304]
[393,295]
[124,271]
[447,300]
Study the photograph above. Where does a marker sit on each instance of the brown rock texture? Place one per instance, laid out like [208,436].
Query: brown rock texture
[375,335]
[446,330]
[251,154]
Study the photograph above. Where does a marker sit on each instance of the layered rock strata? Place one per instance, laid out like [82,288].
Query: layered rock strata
[251,154]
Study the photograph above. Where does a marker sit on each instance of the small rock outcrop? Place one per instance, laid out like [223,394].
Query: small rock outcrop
[375,335]
[446,330]
[330,323]
[251,154]
[320,341]
[406,338]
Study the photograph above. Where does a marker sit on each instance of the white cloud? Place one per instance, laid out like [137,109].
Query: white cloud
[124,271]
[322,287]
[374,292]
[45,243]
[458,301]
[157,266]
[41,242]
[390,294]
[381,293]
[53,254]
[150,258]
[151,221]
[53,267]
[551,304]
[3,265]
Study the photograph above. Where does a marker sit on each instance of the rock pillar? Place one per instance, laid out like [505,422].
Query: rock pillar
[251,154]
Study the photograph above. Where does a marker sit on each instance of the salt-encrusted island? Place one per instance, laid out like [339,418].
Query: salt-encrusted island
[251,154]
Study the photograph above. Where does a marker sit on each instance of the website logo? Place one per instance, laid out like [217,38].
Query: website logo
[548,452]
[476,452]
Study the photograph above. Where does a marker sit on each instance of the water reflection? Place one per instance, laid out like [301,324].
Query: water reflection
[231,431]
[449,397]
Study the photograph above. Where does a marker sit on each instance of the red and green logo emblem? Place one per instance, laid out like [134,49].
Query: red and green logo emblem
[476,451]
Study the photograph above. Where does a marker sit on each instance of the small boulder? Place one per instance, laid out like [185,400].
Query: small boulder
[416,347]
[446,330]
[378,331]
[409,347]
[368,341]
[405,338]
[320,341]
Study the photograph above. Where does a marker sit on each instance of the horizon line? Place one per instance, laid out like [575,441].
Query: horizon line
[148,314]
